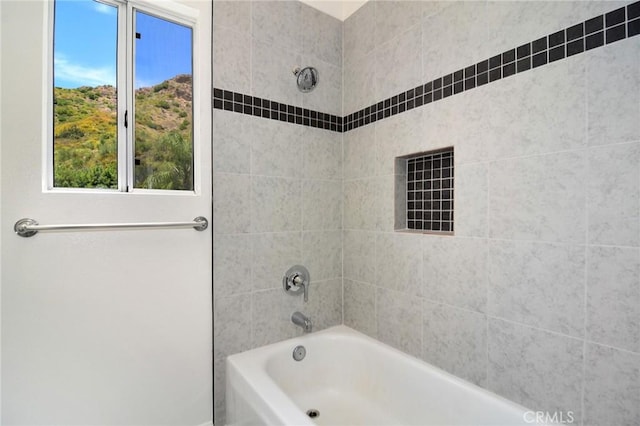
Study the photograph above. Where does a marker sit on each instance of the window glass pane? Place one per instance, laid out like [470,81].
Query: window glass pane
[163,104]
[84,95]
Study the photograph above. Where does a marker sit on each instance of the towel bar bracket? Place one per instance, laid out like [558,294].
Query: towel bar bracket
[22,227]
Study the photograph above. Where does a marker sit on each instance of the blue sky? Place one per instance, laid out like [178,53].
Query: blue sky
[85,46]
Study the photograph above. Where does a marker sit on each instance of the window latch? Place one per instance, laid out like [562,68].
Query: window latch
[126,119]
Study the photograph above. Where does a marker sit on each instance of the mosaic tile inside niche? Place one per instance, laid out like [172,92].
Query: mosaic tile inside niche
[430,191]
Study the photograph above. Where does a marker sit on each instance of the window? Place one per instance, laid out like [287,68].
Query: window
[122,113]
[427,188]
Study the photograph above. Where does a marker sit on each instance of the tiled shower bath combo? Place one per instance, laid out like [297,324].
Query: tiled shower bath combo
[533,291]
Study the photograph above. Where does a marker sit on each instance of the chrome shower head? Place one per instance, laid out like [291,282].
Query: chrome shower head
[307,78]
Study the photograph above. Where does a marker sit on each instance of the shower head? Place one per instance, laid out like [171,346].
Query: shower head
[307,78]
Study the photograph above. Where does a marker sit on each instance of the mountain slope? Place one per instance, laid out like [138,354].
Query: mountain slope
[85,136]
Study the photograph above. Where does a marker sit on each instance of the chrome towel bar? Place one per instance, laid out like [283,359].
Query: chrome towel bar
[29,227]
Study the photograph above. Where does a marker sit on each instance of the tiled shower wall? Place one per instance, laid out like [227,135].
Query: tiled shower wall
[277,186]
[537,295]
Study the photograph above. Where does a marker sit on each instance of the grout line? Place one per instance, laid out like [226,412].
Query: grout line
[486,347]
[251,240]
[375,234]
[342,85]
[586,248]
[342,200]
[489,239]
[493,317]
[545,330]
[422,299]
[615,348]
[251,88]
[488,234]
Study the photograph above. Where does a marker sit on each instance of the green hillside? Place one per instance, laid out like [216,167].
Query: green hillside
[85,136]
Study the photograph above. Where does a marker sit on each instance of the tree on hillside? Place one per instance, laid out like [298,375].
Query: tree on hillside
[171,163]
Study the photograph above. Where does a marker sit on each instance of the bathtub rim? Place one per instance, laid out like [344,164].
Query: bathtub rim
[247,364]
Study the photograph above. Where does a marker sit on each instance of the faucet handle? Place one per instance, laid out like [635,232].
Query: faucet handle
[295,280]
[300,281]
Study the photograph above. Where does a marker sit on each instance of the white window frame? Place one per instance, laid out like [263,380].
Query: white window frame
[164,9]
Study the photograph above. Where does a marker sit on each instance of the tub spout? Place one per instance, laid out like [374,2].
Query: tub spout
[298,318]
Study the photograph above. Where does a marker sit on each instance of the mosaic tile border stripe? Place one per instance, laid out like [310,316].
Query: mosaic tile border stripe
[259,107]
[593,33]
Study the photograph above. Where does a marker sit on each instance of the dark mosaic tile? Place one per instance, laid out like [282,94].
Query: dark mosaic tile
[633,10]
[470,71]
[539,59]
[633,28]
[469,83]
[575,47]
[495,61]
[482,79]
[524,50]
[495,74]
[594,40]
[615,17]
[616,33]
[594,24]
[539,45]
[509,56]
[482,66]
[556,39]
[508,69]
[524,64]
[556,53]
[575,32]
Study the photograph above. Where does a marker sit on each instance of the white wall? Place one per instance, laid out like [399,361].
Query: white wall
[0,223]
[97,327]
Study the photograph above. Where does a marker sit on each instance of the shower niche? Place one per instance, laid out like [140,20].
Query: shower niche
[424,192]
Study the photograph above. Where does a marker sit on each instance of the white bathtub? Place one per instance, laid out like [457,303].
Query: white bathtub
[351,379]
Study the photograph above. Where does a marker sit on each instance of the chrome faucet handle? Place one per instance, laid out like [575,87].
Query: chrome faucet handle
[296,280]
[300,281]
